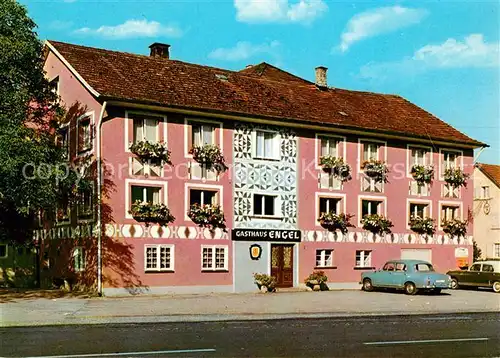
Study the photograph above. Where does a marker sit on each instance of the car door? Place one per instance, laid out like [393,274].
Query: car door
[486,275]
[382,278]
[472,276]
[399,276]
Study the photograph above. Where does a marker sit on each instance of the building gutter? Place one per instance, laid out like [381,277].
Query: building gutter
[290,123]
[99,199]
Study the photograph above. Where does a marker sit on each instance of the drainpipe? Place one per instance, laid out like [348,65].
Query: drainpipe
[99,201]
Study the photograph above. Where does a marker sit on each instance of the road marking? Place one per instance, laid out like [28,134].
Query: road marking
[428,341]
[130,353]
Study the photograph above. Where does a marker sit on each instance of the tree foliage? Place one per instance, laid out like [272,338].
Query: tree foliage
[30,160]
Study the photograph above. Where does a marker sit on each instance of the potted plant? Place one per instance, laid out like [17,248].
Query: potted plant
[455,227]
[337,167]
[317,281]
[376,170]
[209,156]
[209,216]
[455,177]
[422,225]
[265,283]
[423,174]
[333,222]
[157,153]
[148,212]
[376,224]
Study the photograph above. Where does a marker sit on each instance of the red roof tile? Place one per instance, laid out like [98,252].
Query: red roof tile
[261,91]
[491,171]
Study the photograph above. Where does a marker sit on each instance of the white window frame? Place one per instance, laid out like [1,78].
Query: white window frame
[90,116]
[485,192]
[200,121]
[322,253]
[189,186]
[361,143]
[163,185]
[428,211]
[363,254]
[6,251]
[129,123]
[459,161]
[277,206]
[449,203]
[382,199]
[496,250]
[317,150]
[79,254]
[428,156]
[275,145]
[213,248]
[158,268]
[91,212]
[341,205]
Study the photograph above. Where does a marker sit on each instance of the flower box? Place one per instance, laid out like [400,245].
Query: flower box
[337,167]
[317,281]
[151,213]
[333,222]
[265,283]
[156,153]
[423,174]
[422,225]
[210,156]
[456,177]
[376,224]
[209,216]
[455,227]
[376,170]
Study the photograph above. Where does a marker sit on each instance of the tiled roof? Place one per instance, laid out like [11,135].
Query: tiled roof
[261,91]
[491,171]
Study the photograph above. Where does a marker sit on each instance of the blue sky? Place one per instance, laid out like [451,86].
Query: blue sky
[441,55]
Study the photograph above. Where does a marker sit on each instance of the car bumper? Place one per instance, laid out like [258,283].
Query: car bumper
[440,285]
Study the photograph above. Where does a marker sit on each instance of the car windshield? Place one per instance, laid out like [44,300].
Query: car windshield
[423,267]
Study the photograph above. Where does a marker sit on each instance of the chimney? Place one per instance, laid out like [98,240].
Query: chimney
[321,81]
[159,50]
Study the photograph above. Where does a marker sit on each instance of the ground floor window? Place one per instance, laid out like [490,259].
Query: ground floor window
[214,258]
[79,258]
[496,250]
[324,258]
[158,257]
[363,258]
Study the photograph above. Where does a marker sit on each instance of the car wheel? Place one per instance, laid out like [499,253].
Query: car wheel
[454,283]
[496,286]
[367,285]
[410,288]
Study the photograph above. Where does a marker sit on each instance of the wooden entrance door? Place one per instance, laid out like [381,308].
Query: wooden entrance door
[282,264]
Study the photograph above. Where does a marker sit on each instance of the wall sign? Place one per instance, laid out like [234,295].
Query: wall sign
[266,235]
[255,251]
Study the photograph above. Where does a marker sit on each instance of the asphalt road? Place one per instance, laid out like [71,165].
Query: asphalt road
[456,335]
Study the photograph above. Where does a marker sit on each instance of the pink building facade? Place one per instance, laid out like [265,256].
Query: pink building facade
[271,195]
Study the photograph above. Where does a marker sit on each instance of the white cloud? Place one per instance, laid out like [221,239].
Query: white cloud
[260,11]
[60,25]
[473,52]
[244,50]
[379,21]
[132,29]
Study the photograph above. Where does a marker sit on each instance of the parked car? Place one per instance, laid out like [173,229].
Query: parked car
[408,275]
[480,274]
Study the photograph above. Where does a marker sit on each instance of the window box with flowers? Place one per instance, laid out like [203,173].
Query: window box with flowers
[317,281]
[455,227]
[265,283]
[155,153]
[336,167]
[209,216]
[423,174]
[209,156]
[376,224]
[456,177]
[333,222]
[148,212]
[422,225]
[376,169]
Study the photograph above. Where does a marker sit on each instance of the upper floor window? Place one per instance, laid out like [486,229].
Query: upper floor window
[85,204]
[370,207]
[264,205]
[418,156]
[148,194]
[450,160]
[145,129]
[84,134]
[63,141]
[419,210]
[370,151]
[449,212]
[266,145]
[202,134]
[203,197]
[329,146]
[483,192]
[329,205]
[54,88]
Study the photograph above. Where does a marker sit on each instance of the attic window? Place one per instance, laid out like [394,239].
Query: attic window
[222,77]
[343,113]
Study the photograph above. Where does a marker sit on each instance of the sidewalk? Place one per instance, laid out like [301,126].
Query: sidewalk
[216,307]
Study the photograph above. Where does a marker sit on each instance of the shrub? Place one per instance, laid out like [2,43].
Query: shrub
[422,225]
[376,224]
[456,177]
[332,222]
[317,278]
[210,156]
[151,213]
[264,280]
[157,153]
[376,170]
[210,216]
[337,167]
[455,227]
[423,174]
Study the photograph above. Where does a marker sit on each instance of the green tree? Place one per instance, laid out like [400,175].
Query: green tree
[30,160]
[476,254]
